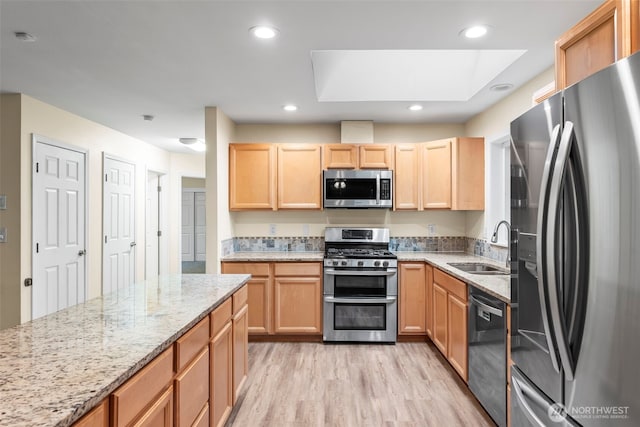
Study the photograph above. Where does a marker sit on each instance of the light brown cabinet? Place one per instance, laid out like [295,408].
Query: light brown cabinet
[354,156]
[412,293]
[429,301]
[192,389]
[160,414]
[607,34]
[221,349]
[407,179]
[252,176]
[453,174]
[450,320]
[240,340]
[299,176]
[284,298]
[298,298]
[97,417]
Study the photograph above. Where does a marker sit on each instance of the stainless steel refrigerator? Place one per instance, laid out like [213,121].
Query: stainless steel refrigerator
[575,254]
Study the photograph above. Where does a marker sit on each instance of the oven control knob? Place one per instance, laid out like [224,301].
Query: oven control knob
[343,262]
[385,264]
[360,263]
[335,262]
[376,263]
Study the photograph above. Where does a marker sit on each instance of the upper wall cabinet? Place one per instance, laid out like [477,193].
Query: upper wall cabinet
[453,174]
[407,177]
[351,156]
[609,33]
[252,176]
[275,176]
[299,176]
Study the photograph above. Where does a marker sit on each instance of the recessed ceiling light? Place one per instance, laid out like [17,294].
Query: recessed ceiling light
[263,32]
[501,87]
[194,143]
[415,107]
[290,107]
[25,37]
[475,32]
[147,117]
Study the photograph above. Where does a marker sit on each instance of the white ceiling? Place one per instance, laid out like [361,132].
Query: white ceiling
[114,61]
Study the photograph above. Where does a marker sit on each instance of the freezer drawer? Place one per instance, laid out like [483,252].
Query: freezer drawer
[531,407]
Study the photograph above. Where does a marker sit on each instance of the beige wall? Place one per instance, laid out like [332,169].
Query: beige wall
[388,133]
[188,182]
[494,122]
[10,186]
[23,116]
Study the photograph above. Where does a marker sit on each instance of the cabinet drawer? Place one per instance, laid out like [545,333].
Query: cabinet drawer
[97,417]
[188,345]
[255,269]
[131,398]
[240,298]
[298,269]
[192,390]
[451,284]
[221,316]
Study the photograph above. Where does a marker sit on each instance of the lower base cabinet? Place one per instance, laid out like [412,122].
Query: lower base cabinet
[192,383]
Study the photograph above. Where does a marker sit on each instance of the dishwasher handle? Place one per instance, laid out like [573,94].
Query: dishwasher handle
[486,307]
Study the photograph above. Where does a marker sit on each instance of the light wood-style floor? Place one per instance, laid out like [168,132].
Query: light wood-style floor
[313,384]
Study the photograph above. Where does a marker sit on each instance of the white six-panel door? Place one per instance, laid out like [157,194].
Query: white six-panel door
[187,235]
[59,194]
[118,267]
[200,225]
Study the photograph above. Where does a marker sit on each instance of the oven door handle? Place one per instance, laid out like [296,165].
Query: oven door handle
[361,272]
[387,300]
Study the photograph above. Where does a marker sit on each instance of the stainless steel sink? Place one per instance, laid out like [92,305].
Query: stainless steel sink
[478,268]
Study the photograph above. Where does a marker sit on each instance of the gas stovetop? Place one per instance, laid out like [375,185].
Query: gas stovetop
[364,253]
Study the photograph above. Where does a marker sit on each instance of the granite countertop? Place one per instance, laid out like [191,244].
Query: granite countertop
[274,257]
[498,286]
[56,368]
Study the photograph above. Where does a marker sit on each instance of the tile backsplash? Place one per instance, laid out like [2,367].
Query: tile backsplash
[485,249]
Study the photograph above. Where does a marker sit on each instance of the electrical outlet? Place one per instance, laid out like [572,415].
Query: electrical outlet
[431,229]
[305,229]
[3,234]
[272,229]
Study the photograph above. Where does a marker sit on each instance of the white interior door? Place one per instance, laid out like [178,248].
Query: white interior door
[152,226]
[118,224]
[200,225]
[188,218]
[59,194]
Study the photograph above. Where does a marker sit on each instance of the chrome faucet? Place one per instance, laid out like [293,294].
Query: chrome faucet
[494,237]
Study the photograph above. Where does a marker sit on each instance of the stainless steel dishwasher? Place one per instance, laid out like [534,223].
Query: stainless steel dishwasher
[488,353]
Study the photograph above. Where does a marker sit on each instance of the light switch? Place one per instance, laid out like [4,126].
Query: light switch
[3,234]
[272,229]
[3,202]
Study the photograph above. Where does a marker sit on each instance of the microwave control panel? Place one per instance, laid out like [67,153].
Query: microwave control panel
[385,189]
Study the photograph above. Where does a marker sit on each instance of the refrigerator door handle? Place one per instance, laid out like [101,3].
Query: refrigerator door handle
[555,203]
[541,246]
[523,394]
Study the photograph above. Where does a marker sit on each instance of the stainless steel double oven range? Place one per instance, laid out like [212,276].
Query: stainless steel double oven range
[360,286]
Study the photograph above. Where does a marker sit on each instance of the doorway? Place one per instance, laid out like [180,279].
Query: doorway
[59,226]
[193,237]
[119,254]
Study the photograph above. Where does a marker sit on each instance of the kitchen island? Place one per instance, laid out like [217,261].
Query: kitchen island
[55,369]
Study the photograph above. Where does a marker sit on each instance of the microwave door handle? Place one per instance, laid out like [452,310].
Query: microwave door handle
[377,188]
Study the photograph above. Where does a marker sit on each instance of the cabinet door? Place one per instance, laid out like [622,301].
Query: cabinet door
[590,45]
[440,318]
[97,417]
[436,174]
[429,301]
[375,156]
[299,176]
[160,414]
[467,174]
[192,389]
[240,350]
[298,305]
[260,294]
[412,299]
[457,335]
[252,176]
[221,375]
[407,177]
[340,156]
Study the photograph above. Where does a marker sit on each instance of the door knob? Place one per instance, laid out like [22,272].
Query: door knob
[132,244]
[82,252]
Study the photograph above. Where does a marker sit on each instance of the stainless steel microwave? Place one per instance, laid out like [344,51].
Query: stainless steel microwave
[358,188]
